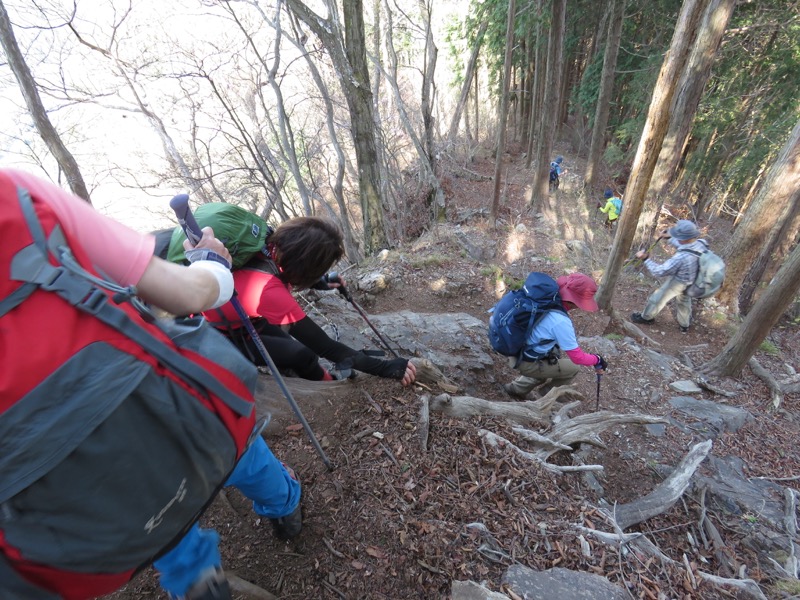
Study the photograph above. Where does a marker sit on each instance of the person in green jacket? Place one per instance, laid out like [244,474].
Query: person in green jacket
[612,208]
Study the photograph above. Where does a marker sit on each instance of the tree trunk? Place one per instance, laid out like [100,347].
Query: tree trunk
[550,103]
[27,86]
[468,75]
[767,311]
[604,98]
[684,107]
[348,53]
[768,263]
[655,129]
[502,113]
[537,87]
[772,204]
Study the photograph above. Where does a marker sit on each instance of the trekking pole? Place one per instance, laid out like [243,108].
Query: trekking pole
[180,204]
[597,402]
[349,297]
[632,261]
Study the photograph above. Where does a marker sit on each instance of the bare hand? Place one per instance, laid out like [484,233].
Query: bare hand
[642,255]
[212,243]
[410,374]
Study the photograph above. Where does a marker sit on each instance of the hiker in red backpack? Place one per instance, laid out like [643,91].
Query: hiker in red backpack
[301,250]
[679,270]
[114,436]
[553,333]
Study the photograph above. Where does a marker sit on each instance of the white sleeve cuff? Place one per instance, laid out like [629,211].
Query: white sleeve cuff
[223,276]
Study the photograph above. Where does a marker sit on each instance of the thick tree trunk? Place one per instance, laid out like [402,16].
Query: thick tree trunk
[684,107]
[502,114]
[767,311]
[650,145]
[550,103]
[537,87]
[773,203]
[604,98]
[38,112]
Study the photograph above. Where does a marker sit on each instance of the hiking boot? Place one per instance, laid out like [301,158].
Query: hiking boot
[684,329]
[509,389]
[212,585]
[638,318]
[288,527]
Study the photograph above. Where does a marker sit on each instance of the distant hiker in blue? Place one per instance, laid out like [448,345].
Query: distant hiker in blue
[680,271]
[612,208]
[555,172]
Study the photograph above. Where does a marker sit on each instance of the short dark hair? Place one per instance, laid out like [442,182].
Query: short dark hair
[305,248]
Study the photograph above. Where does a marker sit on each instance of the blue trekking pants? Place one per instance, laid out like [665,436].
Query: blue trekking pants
[259,476]
[671,288]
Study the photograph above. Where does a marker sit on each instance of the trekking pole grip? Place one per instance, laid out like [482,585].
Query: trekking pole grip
[342,288]
[180,204]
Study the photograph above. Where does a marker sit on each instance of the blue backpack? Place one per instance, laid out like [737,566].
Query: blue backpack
[553,171]
[617,202]
[518,312]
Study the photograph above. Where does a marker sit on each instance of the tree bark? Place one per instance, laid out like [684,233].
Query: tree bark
[604,98]
[468,75]
[684,108]
[502,114]
[348,52]
[550,103]
[767,311]
[28,88]
[773,204]
[650,145]
[538,88]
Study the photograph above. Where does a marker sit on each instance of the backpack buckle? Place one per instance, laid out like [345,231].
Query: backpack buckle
[94,301]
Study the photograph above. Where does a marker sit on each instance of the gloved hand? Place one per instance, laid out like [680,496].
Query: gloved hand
[399,368]
[601,364]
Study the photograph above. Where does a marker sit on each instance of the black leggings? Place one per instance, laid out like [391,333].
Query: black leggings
[285,351]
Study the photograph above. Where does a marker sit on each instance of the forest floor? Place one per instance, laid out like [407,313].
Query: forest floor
[393,521]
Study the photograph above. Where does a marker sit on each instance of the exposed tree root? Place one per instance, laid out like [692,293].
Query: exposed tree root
[531,411]
[776,393]
[666,493]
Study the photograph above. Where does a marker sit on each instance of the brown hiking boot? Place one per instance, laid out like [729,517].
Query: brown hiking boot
[290,526]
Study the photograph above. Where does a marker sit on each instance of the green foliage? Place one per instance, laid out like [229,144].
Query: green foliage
[769,347]
[752,100]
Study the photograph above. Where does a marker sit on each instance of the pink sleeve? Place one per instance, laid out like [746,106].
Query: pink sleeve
[579,357]
[114,248]
[277,305]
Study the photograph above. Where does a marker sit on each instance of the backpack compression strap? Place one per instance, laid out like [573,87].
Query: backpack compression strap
[82,290]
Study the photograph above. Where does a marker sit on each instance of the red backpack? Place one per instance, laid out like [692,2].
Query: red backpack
[116,430]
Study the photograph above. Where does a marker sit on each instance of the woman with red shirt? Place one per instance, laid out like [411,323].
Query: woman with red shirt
[301,250]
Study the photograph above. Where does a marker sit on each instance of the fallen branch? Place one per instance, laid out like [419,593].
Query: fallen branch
[665,493]
[704,383]
[639,542]
[429,373]
[424,421]
[496,441]
[531,411]
[776,393]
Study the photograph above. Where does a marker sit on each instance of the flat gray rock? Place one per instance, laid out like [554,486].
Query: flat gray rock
[685,386]
[469,590]
[719,417]
[561,584]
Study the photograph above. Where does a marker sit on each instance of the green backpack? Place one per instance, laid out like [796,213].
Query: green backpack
[243,233]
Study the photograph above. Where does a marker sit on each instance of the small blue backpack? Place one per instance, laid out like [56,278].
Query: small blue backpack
[518,312]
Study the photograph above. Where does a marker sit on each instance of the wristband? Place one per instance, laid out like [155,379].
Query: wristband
[223,276]
[194,255]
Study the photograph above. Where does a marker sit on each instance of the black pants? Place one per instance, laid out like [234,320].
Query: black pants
[286,352]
